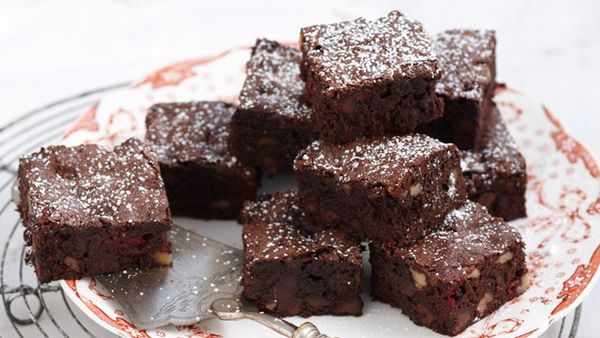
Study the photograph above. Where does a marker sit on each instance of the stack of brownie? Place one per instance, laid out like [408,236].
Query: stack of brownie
[280,113]
[394,140]
[368,106]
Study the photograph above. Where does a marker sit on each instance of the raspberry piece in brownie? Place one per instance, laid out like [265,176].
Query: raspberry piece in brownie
[89,211]
[496,176]
[468,65]
[455,276]
[388,187]
[289,273]
[273,121]
[203,179]
[370,78]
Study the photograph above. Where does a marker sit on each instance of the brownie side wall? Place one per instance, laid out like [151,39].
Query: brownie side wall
[502,195]
[385,108]
[371,211]
[266,141]
[70,253]
[207,192]
[445,308]
[23,205]
[304,286]
[463,121]
[461,124]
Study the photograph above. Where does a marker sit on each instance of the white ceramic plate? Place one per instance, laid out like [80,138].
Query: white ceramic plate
[562,231]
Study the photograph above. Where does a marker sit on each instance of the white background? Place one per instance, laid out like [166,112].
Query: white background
[52,49]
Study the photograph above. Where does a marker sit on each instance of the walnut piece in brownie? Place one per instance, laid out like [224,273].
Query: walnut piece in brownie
[496,176]
[273,121]
[468,64]
[370,78]
[455,276]
[388,187]
[202,178]
[89,211]
[288,273]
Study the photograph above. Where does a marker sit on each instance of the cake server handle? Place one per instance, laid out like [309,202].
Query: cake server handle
[231,309]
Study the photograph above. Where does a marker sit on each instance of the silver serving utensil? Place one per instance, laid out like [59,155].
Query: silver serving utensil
[203,270]
[231,309]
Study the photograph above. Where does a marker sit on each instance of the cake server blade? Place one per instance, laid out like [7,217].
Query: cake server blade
[203,271]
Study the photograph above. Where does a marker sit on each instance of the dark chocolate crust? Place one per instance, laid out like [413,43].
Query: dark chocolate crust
[455,276]
[369,78]
[496,176]
[468,64]
[399,187]
[203,179]
[289,273]
[273,120]
[89,211]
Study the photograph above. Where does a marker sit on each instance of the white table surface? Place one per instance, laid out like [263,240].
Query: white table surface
[51,49]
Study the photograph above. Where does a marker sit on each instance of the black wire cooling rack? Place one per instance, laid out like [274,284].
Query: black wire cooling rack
[33,309]
[42,310]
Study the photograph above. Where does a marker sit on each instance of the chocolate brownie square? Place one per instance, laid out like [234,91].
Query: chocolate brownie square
[388,187]
[203,179]
[370,78]
[496,176]
[289,273]
[273,121]
[455,276]
[468,63]
[89,211]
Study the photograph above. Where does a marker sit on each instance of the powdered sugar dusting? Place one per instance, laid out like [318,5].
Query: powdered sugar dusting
[452,190]
[374,160]
[270,233]
[350,52]
[499,157]
[89,185]
[191,132]
[469,236]
[467,61]
[273,82]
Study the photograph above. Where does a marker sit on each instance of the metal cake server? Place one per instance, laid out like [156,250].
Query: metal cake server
[231,309]
[203,270]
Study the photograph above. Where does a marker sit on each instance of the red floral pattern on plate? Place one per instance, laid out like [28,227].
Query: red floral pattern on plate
[87,121]
[579,280]
[174,74]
